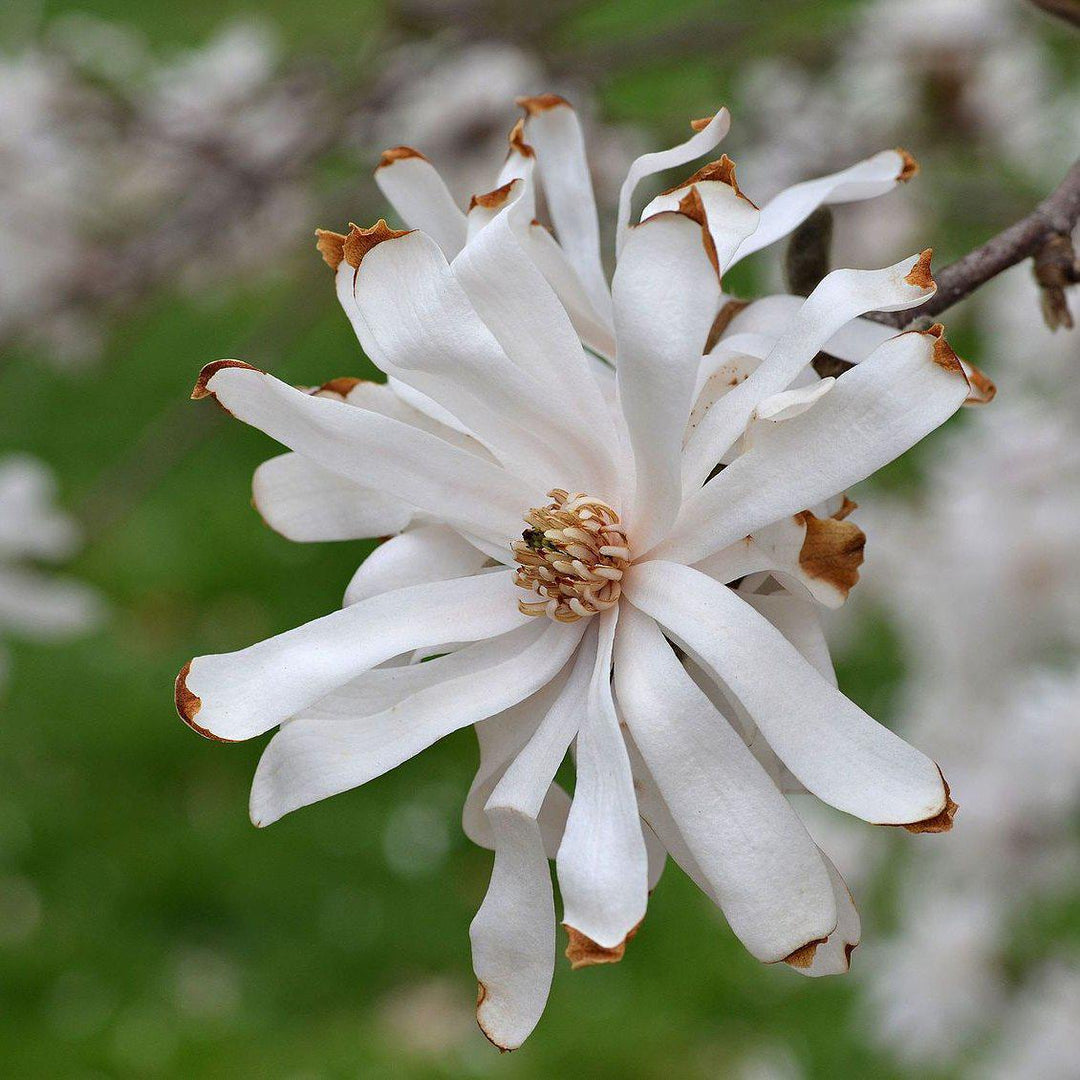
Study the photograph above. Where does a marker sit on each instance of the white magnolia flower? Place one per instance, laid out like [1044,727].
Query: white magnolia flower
[657,613]
[35,605]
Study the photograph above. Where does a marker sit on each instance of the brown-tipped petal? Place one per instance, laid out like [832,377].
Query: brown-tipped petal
[723,321]
[339,387]
[691,206]
[832,550]
[533,106]
[360,241]
[517,140]
[721,172]
[331,246]
[941,822]
[919,275]
[847,507]
[201,389]
[803,957]
[481,997]
[188,706]
[910,167]
[982,387]
[582,951]
[702,123]
[492,200]
[398,153]
[943,354]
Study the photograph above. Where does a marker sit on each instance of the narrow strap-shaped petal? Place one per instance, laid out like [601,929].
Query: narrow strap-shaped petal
[770,316]
[705,139]
[414,188]
[602,863]
[839,297]
[833,956]
[315,756]
[594,326]
[241,694]
[521,309]
[500,739]
[424,554]
[731,216]
[665,292]
[874,413]
[798,620]
[553,130]
[373,450]
[513,934]
[838,752]
[421,320]
[774,891]
[305,502]
[865,180]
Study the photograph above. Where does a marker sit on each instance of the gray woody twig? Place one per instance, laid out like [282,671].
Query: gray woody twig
[1055,216]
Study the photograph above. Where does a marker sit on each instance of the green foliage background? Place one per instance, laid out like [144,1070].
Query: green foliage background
[134,832]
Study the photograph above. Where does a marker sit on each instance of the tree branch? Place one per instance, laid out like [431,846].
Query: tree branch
[1055,216]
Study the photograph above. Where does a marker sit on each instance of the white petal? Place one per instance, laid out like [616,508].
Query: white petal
[553,130]
[414,188]
[864,180]
[833,748]
[791,403]
[833,957]
[521,309]
[513,934]
[798,620]
[699,144]
[747,841]
[428,553]
[501,738]
[241,694]
[602,863]
[422,321]
[594,327]
[304,502]
[731,216]
[840,297]
[770,315]
[874,413]
[666,291]
[372,450]
[322,753]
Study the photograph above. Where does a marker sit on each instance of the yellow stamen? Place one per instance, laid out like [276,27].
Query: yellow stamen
[572,557]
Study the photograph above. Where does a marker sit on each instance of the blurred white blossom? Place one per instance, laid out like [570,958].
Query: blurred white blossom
[984,585]
[33,604]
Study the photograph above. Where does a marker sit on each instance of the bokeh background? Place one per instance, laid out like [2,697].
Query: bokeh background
[161,169]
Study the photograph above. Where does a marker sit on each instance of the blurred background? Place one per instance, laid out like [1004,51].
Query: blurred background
[162,167]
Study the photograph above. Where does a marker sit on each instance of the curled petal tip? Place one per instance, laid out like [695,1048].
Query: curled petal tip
[189,704]
[942,821]
[492,200]
[803,956]
[582,951]
[533,106]
[909,168]
[919,275]
[202,389]
[397,153]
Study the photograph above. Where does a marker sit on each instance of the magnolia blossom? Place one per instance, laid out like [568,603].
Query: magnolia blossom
[32,530]
[684,517]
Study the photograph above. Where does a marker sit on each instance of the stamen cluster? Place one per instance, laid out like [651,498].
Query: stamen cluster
[572,557]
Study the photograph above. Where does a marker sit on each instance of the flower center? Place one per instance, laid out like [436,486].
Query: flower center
[571,558]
